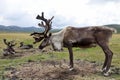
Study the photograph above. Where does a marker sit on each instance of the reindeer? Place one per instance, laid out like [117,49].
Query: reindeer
[27,46]
[9,49]
[69,37]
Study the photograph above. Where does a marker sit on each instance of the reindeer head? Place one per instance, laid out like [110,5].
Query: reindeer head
[9,44]
[37,36]
[45,36]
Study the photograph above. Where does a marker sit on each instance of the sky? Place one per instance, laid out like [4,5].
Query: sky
[77,13]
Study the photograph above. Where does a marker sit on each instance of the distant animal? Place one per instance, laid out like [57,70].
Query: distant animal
[27,46]
[9,50]
[69,37]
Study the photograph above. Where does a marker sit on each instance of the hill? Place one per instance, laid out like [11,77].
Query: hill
[22,29]
[35,29]
[17,29]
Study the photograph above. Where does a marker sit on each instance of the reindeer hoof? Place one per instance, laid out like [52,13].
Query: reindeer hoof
[71,69]
[106,74]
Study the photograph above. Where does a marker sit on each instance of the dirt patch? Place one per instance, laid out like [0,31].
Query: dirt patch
[51,70]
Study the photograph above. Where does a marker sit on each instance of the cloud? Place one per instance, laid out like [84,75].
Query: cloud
[102,1]
[67,12]
[61,22]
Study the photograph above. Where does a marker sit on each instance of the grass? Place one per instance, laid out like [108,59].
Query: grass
[90,54]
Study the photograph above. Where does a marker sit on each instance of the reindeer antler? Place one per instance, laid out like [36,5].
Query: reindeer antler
[46,23]
[9,43]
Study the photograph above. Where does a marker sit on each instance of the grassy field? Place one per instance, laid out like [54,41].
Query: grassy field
[90,54]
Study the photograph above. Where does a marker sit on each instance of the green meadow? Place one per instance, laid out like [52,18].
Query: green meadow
[90,54]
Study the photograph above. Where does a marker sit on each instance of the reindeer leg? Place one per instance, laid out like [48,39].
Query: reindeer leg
[110,54]
[71,58]
[105,62]
[108,58]
[101,44]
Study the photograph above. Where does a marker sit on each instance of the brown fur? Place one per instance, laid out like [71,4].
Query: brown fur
[83,37]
